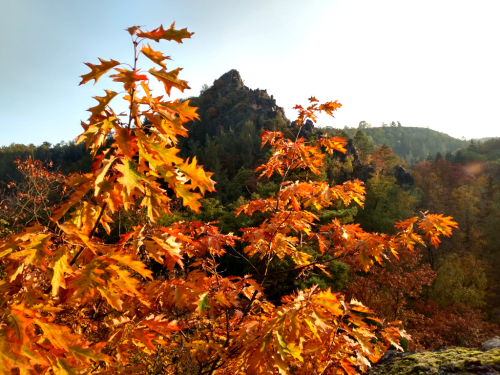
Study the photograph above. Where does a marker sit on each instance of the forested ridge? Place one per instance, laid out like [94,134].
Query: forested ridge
[198,298]
[413,144]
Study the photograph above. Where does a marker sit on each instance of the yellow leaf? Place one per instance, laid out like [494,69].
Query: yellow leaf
[189,198]
[130,179]
[101,174]
[35,250]
[136,265]
[112,297]
[313,329]
[61,266]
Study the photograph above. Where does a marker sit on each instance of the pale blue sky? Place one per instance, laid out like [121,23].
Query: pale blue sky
[432,63]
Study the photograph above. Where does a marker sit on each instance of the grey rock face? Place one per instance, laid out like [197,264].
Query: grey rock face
[493,343]
[231,80]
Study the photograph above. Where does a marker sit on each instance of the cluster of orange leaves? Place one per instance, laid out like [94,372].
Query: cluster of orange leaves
[73,304]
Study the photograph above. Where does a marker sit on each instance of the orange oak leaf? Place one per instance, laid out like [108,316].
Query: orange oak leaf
[199,178]
[136,265]
[125,142]
[98,70]
[169,79]
[333,144]
[128,77]
[169,34]
[156,57]
[103,102]
[329,107]
[131,30]
[183,109]
[436,225]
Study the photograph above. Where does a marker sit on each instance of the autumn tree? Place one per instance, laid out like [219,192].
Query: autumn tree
[32,199]
[73,302]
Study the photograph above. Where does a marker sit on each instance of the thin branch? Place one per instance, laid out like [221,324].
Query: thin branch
[244,257]
[132,94]
[247,310]
[227,330]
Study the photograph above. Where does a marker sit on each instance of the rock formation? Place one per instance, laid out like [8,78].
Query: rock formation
[228,104]
[351,150]
[402,176]
[307,128]
[439,362]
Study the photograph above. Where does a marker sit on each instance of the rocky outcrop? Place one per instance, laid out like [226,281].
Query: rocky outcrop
[402,176]
[306,129]
[493,343]
[228,104]
[452,361]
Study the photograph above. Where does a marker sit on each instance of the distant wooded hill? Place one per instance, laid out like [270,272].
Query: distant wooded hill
[412,144]
[66,157]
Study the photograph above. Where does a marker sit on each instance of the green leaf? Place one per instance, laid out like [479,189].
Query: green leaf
[289,348]
[203,303]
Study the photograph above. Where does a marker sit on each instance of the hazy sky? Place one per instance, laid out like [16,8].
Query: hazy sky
[427,63]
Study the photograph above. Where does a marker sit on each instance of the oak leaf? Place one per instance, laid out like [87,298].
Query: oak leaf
[136,265]
[130,179]
[169,79]
[60,267]
[98,70]
[128,77]
[156,57]
[103,102]
[169,34]
[131,30]
[11,360]
[198,176]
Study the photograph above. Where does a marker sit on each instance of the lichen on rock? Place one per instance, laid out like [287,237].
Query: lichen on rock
[442,362]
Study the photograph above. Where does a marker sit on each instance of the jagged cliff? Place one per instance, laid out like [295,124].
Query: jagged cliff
[228,104]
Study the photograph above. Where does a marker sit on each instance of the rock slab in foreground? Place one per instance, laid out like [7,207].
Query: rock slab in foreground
[445,362]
